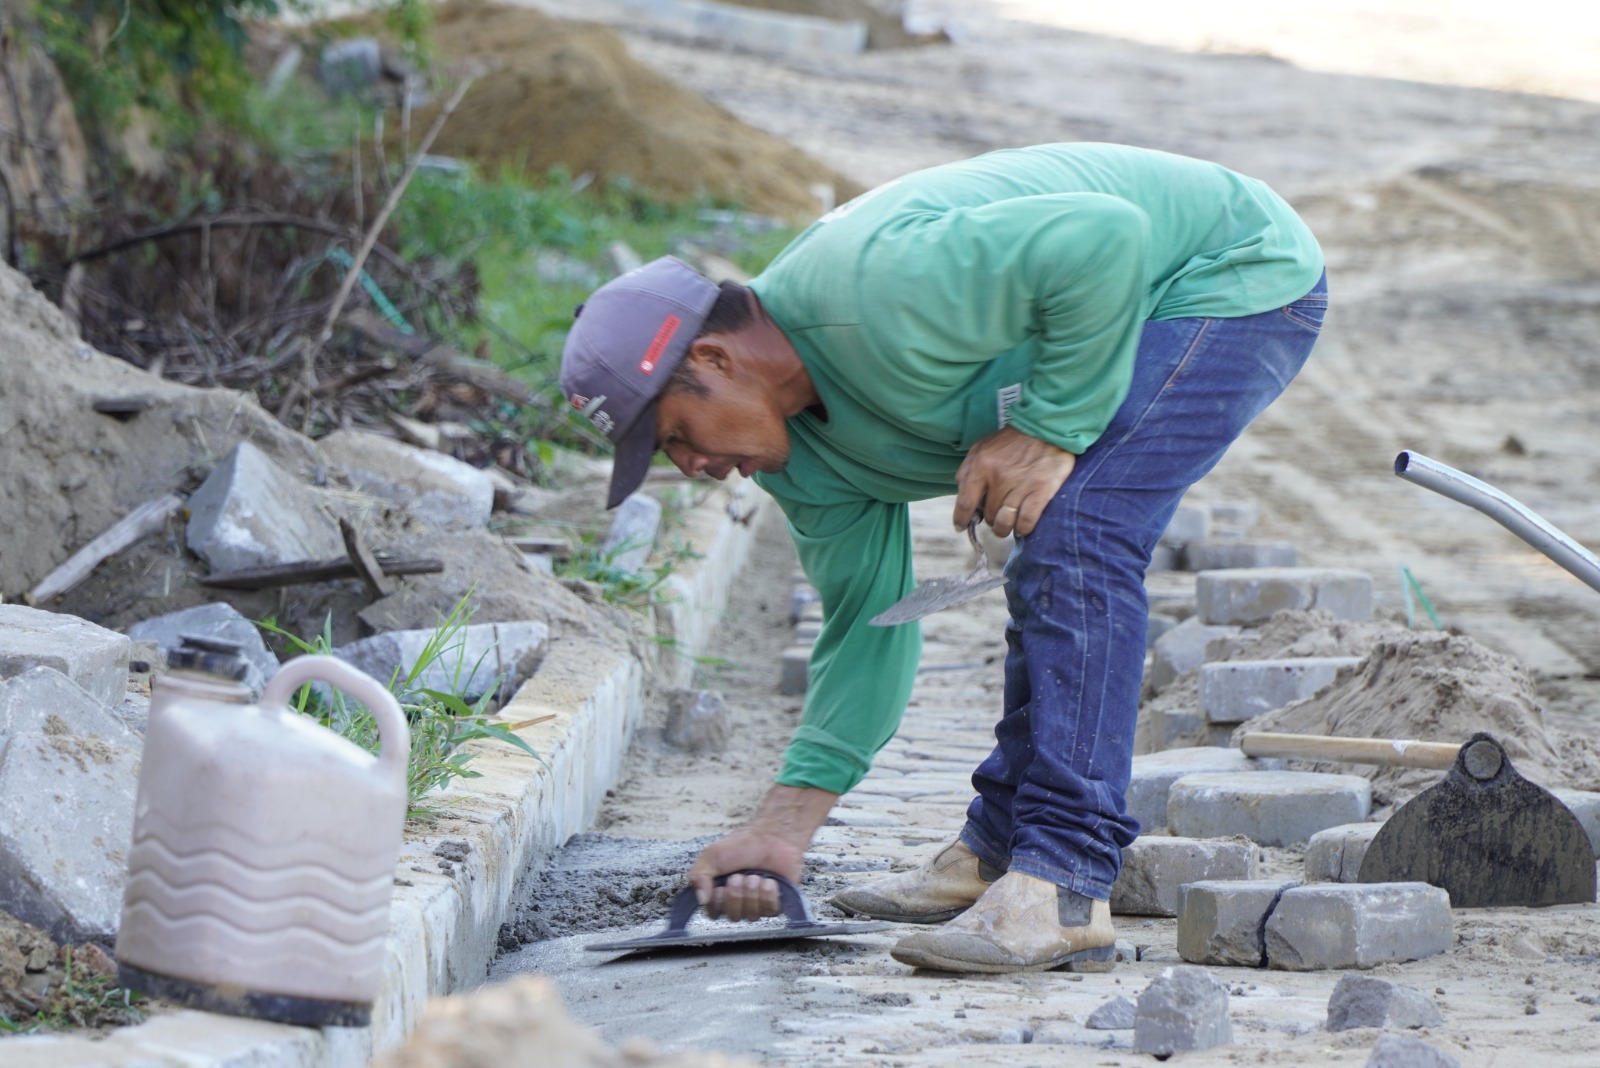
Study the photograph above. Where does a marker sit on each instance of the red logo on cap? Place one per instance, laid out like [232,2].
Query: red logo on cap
[669,326]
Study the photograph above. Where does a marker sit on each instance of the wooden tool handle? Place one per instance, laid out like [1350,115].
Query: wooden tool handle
[1391,753]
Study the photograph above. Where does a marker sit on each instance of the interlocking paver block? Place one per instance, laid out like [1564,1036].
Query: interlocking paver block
[1167,726]
[1183,648]
[1225,922]
[1248,596]
[1367,1001]
[1216,554]
[1238,690]
[796,670]
[1154,774]
[1155,868]
[1183,1008]
[1335,855]
[91,656]
[1357,925]
[1276,808]
[1191,522]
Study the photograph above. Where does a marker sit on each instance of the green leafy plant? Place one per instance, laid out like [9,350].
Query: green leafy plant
[79,1000]
[442,721]
[642,588]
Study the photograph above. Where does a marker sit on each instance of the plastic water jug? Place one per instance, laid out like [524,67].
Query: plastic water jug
[264,845]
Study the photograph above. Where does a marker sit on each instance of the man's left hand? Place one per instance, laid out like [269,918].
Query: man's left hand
[1011,477]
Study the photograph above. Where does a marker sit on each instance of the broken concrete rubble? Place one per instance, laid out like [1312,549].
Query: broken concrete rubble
[45,701]
[64,873]
[249,512]
[434,489]
[93,657]
[1367,1001]
[632,535]
[215,620]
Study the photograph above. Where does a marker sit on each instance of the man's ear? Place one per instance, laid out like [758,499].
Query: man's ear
[711,352]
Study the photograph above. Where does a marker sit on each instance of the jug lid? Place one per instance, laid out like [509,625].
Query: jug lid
[211,656]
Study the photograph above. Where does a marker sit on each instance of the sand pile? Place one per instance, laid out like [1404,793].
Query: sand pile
[523,1022]
[569,94]
[1431,686]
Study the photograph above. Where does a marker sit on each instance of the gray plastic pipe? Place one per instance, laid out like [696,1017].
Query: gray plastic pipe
[1503,509]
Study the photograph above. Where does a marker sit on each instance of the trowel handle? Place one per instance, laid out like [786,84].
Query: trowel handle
[394,735]
[789,900]
[1389,753]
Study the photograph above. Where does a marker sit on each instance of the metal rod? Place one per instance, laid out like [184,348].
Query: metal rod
[1503,509]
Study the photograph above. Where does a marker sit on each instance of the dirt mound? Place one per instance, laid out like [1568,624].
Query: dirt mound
[70,471]
[569,94]
[523,1022]
[1425,685]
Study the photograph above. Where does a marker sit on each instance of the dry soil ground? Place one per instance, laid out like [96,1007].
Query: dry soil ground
[1448,160]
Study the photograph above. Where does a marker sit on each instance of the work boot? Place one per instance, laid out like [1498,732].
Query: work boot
[932,892]
[1020,924]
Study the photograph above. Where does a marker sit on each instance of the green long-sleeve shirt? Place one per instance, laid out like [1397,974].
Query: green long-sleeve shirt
[1009,289]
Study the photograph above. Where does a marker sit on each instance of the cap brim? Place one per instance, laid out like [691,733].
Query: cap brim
[632,459]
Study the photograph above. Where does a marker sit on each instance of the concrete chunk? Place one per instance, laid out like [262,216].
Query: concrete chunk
[1225,922]
[1225,554]
[44,701]
[65,873]
[1154,774]
[1118,1014]
[1367,1001]
[480,655]
[438,490]
[1249,596]
[1403,1051]
[1183,1008]
[1334,855]
[249,512]
[216,620]
[697,721]
[632,536]
[1154,869]
[1183,648]
[1239,690]
[1357,925]
[1274,808]
[91,656]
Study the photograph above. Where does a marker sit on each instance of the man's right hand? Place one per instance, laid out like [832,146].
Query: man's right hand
[775,840]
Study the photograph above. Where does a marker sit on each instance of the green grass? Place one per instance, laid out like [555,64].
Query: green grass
[77,1001]
[442,722]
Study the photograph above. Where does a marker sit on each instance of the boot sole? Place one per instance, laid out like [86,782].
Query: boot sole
[899,917]
[1102,955]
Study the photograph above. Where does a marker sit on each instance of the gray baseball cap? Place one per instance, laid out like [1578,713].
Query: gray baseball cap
[625,343]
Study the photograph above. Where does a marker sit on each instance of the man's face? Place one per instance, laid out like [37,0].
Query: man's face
[733,427]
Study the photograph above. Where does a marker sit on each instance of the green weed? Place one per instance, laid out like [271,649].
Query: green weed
[77,1001]
[442,721]
[643,588]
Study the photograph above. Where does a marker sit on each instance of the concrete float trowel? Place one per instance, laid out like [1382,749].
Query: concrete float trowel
[935,595]
[676,935]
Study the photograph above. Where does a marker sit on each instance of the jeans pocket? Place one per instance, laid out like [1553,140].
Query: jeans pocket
[1308,311]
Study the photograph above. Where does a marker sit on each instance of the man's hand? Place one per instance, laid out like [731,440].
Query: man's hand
[775,839]
[1011,477]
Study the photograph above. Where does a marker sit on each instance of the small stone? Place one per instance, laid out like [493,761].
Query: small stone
[1403,1051]
[697,721]
[1183,1008]
[1115,1015]
[1367,1001]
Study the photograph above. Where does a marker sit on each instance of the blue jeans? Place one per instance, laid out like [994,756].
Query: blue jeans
[1050,798]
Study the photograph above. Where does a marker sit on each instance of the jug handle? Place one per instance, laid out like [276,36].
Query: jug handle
[393,733]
